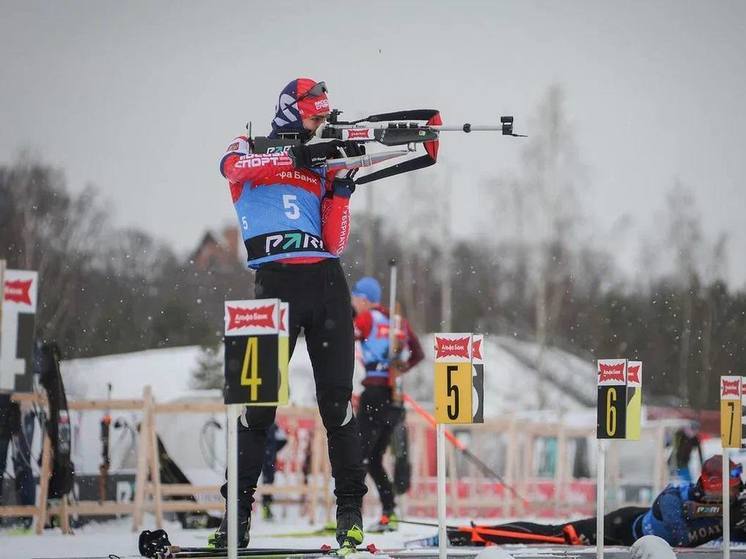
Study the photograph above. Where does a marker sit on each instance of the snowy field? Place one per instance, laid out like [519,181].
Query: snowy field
[116,538]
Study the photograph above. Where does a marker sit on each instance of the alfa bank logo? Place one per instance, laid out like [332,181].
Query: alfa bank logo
[243,318]
[476,349]
[729,388]
[633,373]
[610,372]
[452,348]
[18,291]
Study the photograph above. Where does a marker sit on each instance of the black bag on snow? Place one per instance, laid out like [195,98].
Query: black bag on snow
[58,422]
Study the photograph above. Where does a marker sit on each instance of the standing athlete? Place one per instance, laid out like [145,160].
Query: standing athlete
[378,411]
[295,221]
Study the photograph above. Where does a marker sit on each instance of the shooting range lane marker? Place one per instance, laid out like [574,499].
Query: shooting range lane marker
[731,388]
[254,358]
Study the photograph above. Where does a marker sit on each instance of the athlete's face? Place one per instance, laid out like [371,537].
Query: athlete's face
[312,123]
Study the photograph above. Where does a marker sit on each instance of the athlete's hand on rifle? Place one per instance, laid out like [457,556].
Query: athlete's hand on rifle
[353,149]
[343,186]
[315,155]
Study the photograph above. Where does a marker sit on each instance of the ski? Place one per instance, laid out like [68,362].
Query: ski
[156,545]
[176,552]
[327,530]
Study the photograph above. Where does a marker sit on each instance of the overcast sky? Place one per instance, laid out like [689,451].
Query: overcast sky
[140,98]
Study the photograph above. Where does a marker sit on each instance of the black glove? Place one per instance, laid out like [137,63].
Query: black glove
[343,187]
[314,155]
[353,149]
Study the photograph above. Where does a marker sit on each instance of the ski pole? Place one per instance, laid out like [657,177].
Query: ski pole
[462,447]
[395,378]
[490,531]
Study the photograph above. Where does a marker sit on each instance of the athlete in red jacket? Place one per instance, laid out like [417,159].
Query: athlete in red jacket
[378,414]
[295,222]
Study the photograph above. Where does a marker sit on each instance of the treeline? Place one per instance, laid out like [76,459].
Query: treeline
[104,290]
[535,273]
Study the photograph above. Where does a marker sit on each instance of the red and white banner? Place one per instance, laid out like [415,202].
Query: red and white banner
[19,298]
[257,316]
[452,348]
[634,374]
[611,372]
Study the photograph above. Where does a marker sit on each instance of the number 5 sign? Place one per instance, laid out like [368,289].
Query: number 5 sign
[454,379]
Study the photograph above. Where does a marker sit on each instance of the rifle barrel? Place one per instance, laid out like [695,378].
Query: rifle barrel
[467,127]
[364,160]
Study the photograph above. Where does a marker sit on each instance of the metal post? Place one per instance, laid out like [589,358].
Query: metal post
[446,244]
[441,464]
[600,494]
[392,308]
[234,410]
[726,503]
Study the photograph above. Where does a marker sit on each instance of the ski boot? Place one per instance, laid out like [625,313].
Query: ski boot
[387,523]
[267,508]
[220,537]
[152,543]
[349,529]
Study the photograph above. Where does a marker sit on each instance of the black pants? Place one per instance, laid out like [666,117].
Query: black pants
[377,418]
[618,530]
[320,304]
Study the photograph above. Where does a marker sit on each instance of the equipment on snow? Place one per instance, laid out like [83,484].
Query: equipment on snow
[156,545]
[58,422]
[105,458]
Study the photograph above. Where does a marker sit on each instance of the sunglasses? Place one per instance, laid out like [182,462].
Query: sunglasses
[318,89]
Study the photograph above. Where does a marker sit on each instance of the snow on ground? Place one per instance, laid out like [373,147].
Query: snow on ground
[116,537]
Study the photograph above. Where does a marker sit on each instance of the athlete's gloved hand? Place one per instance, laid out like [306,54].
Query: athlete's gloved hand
[314,155]
[353,149]
[343,186]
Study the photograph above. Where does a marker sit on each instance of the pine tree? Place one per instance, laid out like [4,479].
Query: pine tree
[209,371]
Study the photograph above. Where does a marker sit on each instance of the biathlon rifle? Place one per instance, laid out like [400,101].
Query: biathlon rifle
[406,128]
[400,128]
